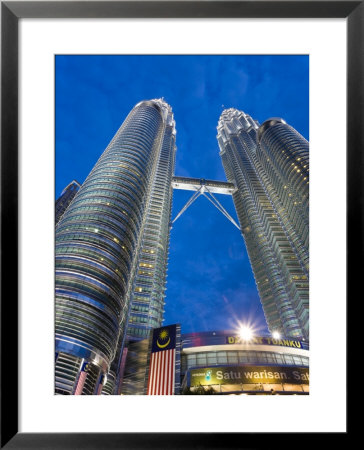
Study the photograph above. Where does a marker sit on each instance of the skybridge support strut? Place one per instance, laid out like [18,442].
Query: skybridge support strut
[202,188]
[188,204]
[219,206]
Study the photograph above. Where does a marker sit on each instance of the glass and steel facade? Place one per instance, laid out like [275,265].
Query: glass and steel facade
[98,242]
[268,164]
[149,283]
[66,197]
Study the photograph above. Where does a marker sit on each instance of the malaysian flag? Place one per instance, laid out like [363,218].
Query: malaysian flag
[81,379]
[162,361]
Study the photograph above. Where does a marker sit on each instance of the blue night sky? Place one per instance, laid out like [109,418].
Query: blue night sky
[210,283]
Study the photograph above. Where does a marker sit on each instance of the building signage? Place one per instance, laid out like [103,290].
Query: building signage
[249,374]
[266,341]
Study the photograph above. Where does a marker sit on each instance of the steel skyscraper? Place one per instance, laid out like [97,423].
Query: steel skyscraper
[106,240]
[269,166]
[148,287]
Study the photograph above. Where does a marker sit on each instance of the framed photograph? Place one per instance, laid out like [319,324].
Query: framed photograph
[40,39]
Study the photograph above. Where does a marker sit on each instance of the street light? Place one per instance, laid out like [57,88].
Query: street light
[246,333]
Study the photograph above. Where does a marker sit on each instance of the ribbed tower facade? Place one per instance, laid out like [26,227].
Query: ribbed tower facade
[269,165]
[98,242]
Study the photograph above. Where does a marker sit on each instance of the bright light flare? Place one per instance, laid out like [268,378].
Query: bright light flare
[246,333]
[276,335]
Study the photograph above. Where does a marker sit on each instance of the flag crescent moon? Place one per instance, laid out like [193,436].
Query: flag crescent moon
[163,345]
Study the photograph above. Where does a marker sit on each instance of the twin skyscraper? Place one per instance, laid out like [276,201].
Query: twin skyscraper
[112,239]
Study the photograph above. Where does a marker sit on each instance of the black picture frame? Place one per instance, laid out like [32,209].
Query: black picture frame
[11,12]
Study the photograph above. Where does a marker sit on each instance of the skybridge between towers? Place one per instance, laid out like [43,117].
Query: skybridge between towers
[207,188]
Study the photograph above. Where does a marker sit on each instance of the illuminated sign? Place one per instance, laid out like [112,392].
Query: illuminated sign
[249,374]
[266,341]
